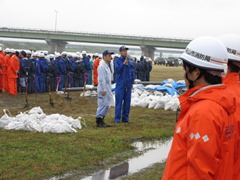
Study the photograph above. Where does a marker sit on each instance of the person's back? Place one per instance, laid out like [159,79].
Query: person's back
[232,43]
[203,142]
[95,70]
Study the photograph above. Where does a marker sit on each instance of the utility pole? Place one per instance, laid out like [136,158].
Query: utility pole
[56,13]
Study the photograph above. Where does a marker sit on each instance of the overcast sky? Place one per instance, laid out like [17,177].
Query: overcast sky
[163,18]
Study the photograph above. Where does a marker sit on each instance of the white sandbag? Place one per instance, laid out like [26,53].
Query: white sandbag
[36,110]
[152,104]
[138,91]
[173,104]
[15,125]
[143,96]
[36,121]
[150,86]
[143,103]
[158,93]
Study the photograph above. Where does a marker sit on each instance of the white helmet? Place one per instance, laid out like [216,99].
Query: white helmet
[28,52]
[96,54]
[51,56]
[35,54]
[232,43]
[84,52]
[64,53]
[207,53]
[11,51]
[7,50]
[57,54]
[41,54]
[45,53]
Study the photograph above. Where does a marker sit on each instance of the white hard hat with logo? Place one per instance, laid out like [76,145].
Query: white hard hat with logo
[232,43]
[206,53]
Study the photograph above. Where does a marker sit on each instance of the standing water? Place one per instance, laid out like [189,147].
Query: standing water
[153,152]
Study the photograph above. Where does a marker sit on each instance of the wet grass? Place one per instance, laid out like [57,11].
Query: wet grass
[28,155]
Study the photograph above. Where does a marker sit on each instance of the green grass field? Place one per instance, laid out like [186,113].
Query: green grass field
[28,155]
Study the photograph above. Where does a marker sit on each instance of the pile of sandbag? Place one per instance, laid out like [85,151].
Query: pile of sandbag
[37,121]
[154,99]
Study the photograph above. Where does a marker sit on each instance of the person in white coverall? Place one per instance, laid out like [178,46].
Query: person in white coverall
[105,96]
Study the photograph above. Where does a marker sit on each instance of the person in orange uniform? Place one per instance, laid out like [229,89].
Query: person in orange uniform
[12,72]
[5,66]
[1,68]
[203,141]
[95,69]
[232,43]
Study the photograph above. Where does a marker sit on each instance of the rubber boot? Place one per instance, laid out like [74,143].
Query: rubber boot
[103,123]
[99,122]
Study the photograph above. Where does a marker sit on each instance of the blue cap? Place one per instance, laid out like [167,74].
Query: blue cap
[123,47]
[107,52]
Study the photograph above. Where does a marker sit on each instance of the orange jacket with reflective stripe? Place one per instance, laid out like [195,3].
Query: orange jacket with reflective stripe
[13,67]
[95,70]
[5,63]
[2,60]
[203,141]
[233,85]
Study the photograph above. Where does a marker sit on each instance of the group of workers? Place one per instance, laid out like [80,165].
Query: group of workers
[27,71]
[206,141]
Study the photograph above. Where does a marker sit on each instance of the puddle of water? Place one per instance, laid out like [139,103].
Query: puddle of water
[153,152]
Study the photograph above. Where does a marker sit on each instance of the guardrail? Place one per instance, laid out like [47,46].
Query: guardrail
[42,31]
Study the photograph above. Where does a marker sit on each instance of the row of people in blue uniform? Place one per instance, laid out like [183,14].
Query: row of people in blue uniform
[63,70]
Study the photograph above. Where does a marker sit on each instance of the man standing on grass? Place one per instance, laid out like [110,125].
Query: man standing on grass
[125,76]
[105,97]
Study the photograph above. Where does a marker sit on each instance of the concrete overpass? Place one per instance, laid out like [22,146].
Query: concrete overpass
[58,39]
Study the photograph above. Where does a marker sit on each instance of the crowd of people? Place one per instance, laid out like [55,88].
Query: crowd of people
[26,71]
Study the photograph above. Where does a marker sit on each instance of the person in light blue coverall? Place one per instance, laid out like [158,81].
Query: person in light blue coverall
[61,70]
[125,76]
[105,96]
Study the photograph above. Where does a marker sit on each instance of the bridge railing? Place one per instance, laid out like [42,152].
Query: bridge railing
[42,31]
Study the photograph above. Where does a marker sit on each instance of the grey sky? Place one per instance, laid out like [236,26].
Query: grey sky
[163,18]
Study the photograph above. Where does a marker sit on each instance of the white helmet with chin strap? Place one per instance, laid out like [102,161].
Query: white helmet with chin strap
[206,53]
[232,43]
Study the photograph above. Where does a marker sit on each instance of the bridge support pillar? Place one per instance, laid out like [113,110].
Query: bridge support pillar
[148,51]
[161,54]
[56,45]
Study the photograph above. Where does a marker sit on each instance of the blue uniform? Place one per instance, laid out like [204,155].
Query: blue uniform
[31,77]
[125,76]
[139,69]
[61,70]
[37,74]
[71,69]
[90,77]
[24,70]
[42,77]
[79,74]
[149,69]
[87,66]
[52,74]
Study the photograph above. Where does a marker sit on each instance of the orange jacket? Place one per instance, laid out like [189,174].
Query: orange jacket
[5,63]
[2,58]
[233,85]
[203,144]
[13,67]
[95,71]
